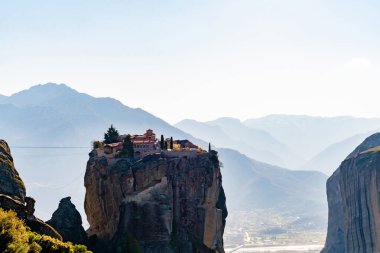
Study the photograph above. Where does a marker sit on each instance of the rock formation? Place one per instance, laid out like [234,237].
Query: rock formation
[167,202]
[354,201]
[12,195]
[68,222]
[10,181]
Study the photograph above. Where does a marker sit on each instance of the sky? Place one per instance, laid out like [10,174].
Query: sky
[200,59]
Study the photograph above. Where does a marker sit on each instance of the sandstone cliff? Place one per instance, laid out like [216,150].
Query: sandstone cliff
[12,195]
[165,202]
[68,222]
[10,181]
[354,201]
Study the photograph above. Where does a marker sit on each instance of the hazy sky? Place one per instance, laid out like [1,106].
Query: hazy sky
[200,59]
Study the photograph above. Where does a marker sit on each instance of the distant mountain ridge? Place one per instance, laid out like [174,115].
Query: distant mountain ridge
[307,136]
[2,97]
[329,159]
[231,133]
[81,117]
[266,186]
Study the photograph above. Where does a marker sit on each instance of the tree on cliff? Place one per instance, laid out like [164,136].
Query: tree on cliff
[128,147]
[111,136]
[162,142]
[171,143]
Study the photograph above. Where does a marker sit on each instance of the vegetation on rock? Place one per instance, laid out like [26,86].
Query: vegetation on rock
[128,147]
[97,144]
[111,136]
[16,237]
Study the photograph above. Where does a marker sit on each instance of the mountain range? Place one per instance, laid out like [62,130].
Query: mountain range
[262,185]
[59,115]
[50,128]
[328,160]
[290,141]
[233,134]
[307,136]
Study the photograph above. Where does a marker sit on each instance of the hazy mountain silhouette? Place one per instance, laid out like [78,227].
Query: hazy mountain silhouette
[307,136]
[74,118]
[250,184]
[231,133]
[2,97]
[330,158]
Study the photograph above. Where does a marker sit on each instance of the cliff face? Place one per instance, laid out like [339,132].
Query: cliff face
[10,181]
[354,201]
[12,195]
[162,203]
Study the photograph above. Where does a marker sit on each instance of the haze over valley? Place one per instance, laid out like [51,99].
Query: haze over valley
[261,163]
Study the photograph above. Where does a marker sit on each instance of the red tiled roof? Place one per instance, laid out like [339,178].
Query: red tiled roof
[114,145]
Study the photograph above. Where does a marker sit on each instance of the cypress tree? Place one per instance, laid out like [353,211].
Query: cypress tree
[162,143]
[171,143]
[166,145]
[128,147]
[209,147]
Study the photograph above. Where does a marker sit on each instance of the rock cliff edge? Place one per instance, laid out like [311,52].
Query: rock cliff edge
[354,201]
[165,202]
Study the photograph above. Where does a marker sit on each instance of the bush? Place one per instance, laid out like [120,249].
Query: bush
[16,237]
[97,144]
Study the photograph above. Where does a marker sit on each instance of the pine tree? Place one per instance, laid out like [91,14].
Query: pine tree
[171,143]
[162,142]
[111,136]
[128,147]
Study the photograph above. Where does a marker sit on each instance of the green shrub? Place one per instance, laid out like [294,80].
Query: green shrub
[15,237]
[97,144]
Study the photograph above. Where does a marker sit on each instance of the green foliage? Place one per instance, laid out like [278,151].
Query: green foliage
[129,244]
[171,143]
[13,234]
[111,136]
[128,147]
[97,144]
[162,143]
[15,237]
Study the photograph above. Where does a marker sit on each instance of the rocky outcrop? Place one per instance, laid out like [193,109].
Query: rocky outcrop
[353,193]
[68,222]
[12,195]
[168,202]
[10,181]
